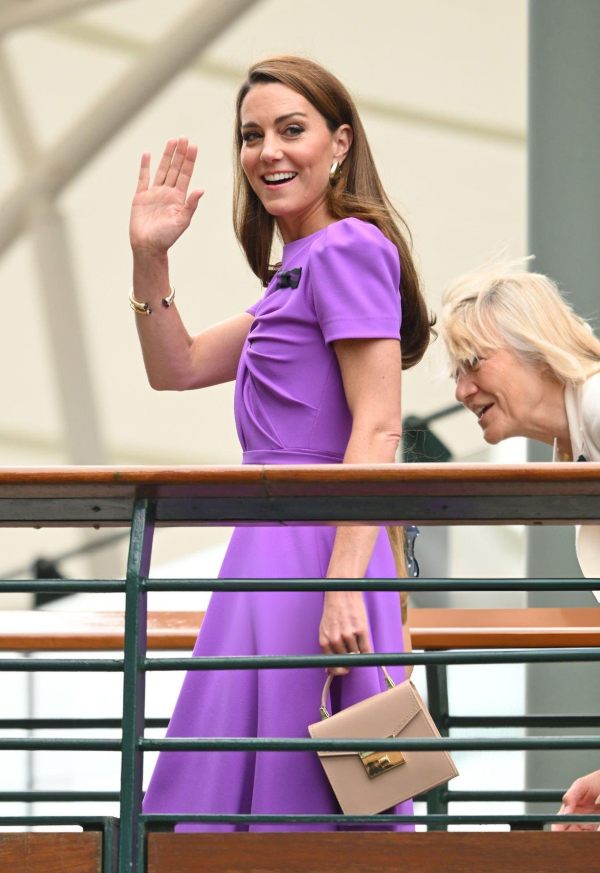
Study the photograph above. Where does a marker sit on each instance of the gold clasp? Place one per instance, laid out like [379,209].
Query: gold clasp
[376,763]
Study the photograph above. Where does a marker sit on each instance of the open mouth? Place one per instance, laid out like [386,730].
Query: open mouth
[481,411]
[278,179]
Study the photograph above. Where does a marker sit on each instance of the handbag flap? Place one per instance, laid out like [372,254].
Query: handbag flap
[383,715]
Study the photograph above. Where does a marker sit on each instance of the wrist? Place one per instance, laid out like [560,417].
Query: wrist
[144,254]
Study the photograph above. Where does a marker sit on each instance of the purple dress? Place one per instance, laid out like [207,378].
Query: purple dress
[290,408]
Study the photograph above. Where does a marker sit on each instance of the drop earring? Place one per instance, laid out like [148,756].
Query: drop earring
[335,171]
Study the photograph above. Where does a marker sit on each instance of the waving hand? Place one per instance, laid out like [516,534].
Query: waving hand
[161,211]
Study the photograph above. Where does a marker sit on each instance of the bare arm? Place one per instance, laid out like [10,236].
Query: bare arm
[161,211]
[371,373]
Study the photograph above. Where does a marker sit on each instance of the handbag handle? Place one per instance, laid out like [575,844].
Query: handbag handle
[323,708]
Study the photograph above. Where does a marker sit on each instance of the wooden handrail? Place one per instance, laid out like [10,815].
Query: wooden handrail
[271,480]
[430,629]
[328,493]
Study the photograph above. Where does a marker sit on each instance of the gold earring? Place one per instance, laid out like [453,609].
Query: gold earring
[335,171]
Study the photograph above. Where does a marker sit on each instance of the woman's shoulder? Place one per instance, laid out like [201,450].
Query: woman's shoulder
[350,233]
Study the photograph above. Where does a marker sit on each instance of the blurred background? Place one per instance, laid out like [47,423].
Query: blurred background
[87,85]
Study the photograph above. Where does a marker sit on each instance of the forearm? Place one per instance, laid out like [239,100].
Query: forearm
[353,545]
[166,344]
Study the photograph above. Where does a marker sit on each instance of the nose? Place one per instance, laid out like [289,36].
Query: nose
[465,387]
[271,150]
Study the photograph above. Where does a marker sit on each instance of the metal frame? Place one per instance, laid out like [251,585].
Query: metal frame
[198,494]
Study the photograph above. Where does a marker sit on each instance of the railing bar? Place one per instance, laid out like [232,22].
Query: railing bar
[508,721]
[75,744]
[37,796]
[365,819]
[62,586]
[474,656]
[87,821]
[500,796]
[158,819]
[110,846]
[531,795]
[297,744]
[113,796]
[62,665]
[134,683]
[421,584]
[73,723]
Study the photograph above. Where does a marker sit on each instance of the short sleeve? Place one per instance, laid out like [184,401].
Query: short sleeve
[252,309]
[355,279]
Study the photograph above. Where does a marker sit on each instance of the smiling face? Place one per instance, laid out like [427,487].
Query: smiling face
[509,396]
[287,152]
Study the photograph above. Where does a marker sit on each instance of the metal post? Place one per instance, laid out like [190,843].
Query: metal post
[437,700]
[564,216]
[134,684]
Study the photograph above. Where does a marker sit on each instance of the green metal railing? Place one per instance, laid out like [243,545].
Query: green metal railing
[201,501]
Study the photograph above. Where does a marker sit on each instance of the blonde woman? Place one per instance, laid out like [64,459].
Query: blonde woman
[526,365]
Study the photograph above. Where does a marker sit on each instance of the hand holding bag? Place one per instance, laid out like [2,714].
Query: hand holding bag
[369,782]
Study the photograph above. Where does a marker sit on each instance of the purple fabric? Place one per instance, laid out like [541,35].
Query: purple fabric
[289,408]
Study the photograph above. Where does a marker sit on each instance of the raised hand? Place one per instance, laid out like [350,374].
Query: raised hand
[161,211]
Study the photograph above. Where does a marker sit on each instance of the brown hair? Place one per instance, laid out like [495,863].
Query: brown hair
[358,192]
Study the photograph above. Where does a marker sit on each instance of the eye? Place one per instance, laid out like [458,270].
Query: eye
[294,130]
[250,135]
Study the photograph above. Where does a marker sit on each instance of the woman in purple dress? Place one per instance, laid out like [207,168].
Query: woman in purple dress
[317,363]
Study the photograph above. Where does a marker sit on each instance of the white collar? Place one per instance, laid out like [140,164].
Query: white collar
[573,399]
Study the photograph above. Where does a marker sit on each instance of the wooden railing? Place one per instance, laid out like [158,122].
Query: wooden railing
[421,494]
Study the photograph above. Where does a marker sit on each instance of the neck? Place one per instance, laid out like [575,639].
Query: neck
[549,421]
[293,227]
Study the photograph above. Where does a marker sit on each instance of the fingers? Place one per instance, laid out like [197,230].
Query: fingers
[564,810]
[165,162]
[363,642]
[176,164]
[186,168]
[177,161]
[144,177]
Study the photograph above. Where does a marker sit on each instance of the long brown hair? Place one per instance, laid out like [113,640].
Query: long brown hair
[358,192]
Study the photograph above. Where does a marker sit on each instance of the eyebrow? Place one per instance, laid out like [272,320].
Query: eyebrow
[278,120]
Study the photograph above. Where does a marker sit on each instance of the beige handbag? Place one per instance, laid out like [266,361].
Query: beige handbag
[369,782]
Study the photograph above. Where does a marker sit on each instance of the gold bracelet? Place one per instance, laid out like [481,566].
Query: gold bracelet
[145,308]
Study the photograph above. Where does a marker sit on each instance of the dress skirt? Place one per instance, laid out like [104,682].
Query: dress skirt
[268,702]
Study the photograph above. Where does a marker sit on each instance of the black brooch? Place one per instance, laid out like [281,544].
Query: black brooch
[288,278]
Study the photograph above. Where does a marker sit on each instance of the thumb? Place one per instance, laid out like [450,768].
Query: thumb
[191,203]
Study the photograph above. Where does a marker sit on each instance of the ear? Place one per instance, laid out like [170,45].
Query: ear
[342,140]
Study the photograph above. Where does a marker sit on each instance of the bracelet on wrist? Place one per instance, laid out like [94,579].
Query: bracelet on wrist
[145,308]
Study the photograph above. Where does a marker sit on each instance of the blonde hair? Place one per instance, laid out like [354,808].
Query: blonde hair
[501,307]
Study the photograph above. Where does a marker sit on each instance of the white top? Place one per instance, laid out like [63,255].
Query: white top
[582,404]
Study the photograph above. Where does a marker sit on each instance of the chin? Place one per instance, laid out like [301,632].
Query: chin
[492,438]
[277,210]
